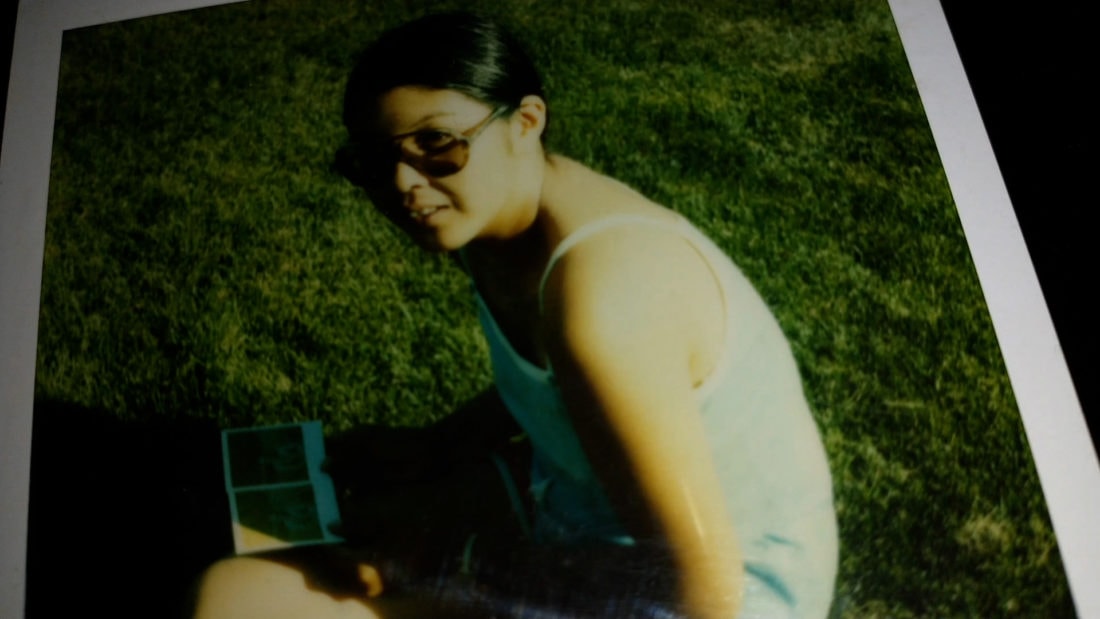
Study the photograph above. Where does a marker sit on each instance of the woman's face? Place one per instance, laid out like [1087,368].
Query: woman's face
[444,167]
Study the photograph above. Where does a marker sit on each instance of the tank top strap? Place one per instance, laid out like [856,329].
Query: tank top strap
[464,262]
[679,225]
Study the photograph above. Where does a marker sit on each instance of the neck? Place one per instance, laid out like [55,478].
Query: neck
[521,248]
[519,227]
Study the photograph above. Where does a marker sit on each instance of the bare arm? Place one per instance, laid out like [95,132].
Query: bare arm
[621,332]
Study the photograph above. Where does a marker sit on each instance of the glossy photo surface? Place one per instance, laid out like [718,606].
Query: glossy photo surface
[206,265]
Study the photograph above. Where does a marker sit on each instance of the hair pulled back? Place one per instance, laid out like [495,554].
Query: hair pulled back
[461,51]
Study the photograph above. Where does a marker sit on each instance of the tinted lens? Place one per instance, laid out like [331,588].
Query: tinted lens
[438,155]
[429,143]
[445,163]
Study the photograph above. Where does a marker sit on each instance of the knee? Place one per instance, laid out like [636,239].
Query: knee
[245,587]
[226,588]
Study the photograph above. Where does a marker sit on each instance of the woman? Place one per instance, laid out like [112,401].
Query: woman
[663,408]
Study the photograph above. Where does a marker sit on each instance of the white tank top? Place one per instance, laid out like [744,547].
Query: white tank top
[765,442]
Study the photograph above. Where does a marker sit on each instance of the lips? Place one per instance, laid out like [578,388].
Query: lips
[423,212]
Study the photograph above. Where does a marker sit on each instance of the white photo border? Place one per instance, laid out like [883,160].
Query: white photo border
[1053,420]
[1052,417]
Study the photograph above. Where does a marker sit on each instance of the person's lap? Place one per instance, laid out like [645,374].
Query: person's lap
[408,537]
[410,534]
[294,585]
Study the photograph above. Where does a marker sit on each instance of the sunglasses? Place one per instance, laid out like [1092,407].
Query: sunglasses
[435,152]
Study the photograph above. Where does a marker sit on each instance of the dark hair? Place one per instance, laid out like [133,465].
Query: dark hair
[452,51]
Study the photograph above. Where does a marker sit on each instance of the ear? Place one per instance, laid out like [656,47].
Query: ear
[530,120]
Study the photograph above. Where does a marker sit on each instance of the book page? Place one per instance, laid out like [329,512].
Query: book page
[278,495]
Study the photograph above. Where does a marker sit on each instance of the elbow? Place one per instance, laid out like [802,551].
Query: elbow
[712,602]
[713,586]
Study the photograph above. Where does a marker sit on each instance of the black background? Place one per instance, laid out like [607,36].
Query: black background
[1027,67]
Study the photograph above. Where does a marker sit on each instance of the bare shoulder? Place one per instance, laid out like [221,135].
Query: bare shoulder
[632,256]
[577,195]
[627,278]
[631,261]
[639,288]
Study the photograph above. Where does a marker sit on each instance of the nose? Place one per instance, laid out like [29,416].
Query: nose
[406,177]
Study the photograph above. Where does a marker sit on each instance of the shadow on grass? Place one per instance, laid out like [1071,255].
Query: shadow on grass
[123,515]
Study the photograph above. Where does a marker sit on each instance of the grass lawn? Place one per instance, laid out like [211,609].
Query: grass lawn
[205,264]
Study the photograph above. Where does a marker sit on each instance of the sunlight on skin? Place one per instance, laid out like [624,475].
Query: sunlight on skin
[246,588]
[254,588]
[696,520]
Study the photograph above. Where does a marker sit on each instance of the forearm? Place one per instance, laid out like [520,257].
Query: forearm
[711,587]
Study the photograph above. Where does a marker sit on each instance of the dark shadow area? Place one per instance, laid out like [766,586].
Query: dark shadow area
[123,515]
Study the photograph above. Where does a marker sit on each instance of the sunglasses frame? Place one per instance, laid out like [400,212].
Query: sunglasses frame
[365,165]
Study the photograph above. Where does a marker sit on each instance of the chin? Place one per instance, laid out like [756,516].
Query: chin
[434,248]
[437,243]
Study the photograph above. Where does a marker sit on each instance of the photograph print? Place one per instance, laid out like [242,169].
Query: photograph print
[630,309]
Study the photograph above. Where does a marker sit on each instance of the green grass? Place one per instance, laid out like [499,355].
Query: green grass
[204,261]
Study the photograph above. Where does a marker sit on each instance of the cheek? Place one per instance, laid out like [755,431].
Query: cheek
[480,201]
[486,184]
